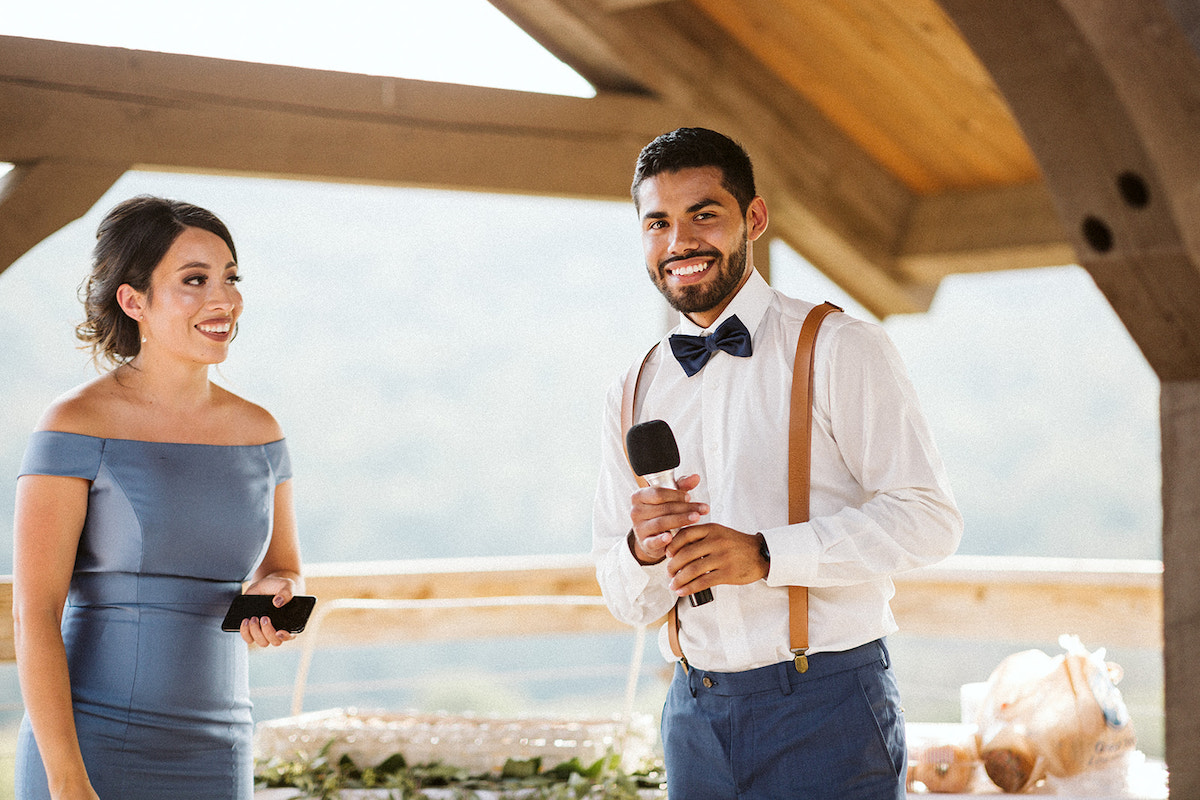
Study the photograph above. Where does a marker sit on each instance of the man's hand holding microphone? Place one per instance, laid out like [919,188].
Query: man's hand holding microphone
[665,523]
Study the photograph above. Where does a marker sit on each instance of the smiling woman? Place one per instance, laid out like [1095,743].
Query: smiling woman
[149,496]
[181,248]
[193,290]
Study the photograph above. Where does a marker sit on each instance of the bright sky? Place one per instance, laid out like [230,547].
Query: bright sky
[456,41]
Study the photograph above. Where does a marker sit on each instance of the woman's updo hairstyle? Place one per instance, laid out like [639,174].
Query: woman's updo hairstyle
[130,242]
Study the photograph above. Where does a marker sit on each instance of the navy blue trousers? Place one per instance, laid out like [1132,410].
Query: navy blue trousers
[835,732]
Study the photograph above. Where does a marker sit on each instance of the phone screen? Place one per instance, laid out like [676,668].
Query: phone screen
[292,617]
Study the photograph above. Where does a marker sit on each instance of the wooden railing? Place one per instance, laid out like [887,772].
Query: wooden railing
[966,597]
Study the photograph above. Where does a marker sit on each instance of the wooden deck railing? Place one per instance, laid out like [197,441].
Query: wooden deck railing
[966,597]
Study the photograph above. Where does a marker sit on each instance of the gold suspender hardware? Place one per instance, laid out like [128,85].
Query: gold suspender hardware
[801,661]
[687,669]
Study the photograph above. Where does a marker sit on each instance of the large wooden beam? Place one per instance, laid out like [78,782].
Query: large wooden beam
[830,201]
[456,578]
[1108,94]
[1013,227]
[103,109]
[843,206]
[39,198]
[80,103]
[83,108]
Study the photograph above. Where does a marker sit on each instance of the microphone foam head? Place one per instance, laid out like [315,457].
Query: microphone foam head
[651,447]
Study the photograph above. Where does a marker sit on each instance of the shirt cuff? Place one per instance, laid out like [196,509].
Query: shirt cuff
[635,576]
[793,559]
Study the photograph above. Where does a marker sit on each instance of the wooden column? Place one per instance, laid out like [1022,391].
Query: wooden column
[1180,404]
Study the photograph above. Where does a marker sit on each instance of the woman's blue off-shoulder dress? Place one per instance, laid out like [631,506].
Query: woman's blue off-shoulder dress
[160,692]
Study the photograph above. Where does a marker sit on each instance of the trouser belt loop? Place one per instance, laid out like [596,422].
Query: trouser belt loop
[785,680]
[691,677]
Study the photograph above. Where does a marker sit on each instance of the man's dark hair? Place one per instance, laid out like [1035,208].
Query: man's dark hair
[686,148]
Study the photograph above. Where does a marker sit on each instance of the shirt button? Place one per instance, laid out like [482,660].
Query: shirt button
[708,682]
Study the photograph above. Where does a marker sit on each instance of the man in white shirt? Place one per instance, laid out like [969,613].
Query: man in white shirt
[741,719]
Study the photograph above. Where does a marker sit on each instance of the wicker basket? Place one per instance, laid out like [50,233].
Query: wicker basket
[478,744]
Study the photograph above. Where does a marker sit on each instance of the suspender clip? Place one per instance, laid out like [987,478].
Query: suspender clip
[686,669]
[801,661]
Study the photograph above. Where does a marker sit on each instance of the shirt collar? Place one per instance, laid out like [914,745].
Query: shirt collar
[749,304]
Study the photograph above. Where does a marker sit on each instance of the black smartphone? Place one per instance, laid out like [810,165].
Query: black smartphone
[292,617]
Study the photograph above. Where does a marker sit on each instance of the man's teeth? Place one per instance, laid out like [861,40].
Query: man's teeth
[690,270]
[222,328]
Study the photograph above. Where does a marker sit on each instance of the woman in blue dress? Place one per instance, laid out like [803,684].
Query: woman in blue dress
[148,498]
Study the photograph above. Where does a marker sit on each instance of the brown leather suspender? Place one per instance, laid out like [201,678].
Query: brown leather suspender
[799,469]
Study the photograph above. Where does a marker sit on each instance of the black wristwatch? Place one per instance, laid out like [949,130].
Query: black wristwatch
[763,550]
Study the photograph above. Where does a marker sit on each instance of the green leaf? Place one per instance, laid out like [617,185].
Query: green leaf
[347,767]
[514,768]
[392,764]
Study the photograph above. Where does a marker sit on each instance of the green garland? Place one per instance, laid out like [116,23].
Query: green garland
[323,778]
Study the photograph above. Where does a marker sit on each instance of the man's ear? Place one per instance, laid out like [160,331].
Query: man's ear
[756,218]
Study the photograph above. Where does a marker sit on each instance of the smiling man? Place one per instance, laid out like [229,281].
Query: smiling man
[749,714]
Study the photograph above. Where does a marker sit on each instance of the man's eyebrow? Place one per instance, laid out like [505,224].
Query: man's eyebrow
[692,209]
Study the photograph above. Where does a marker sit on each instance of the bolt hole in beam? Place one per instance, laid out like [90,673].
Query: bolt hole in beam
[1134,192]
[1133,189]
[1097,234]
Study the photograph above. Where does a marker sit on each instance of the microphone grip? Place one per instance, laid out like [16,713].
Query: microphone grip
[666,480]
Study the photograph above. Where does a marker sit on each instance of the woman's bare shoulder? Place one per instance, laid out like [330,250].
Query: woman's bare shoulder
[86,409]
[254,423]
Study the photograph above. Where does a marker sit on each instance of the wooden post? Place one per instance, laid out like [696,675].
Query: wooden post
[1180,409]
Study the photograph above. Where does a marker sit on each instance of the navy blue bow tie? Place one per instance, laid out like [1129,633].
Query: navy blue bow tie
[693,352]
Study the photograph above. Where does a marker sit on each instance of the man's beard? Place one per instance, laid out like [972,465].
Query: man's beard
[699,298]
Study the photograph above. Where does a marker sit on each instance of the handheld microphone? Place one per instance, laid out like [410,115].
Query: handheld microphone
[654,456]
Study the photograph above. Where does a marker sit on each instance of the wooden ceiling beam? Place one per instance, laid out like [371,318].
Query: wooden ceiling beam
[79,104]
[1108,93]
[830,201]
[566,36]
[844,204]
[77,116]
[37,199]
[1014,227]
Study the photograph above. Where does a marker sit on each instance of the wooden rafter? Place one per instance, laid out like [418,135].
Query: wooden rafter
[110,108]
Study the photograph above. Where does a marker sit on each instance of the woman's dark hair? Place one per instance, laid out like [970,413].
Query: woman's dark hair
[686,148]
[130,242]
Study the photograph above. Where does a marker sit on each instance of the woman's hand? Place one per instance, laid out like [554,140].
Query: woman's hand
[85,792]
[259,630]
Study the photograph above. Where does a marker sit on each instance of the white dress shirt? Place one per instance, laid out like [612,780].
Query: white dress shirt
[880,500]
